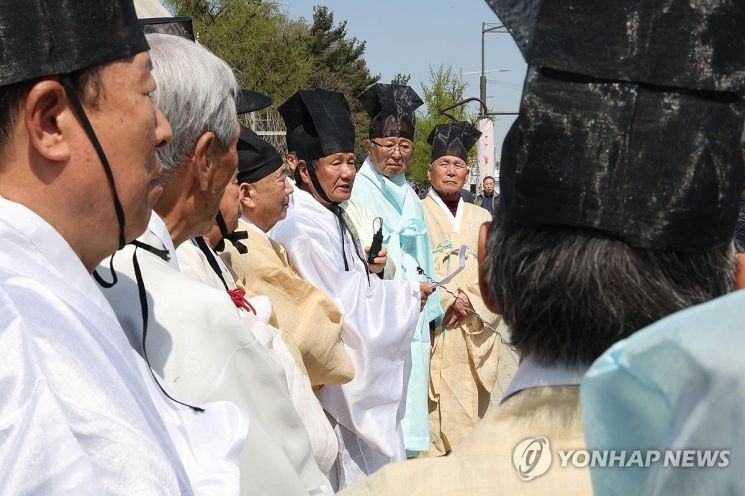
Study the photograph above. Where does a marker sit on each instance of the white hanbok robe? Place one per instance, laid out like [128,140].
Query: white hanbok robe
[79,411]
[205,349]
[379,319]
[194,263]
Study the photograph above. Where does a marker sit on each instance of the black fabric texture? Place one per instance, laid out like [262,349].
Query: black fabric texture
[679,43]
[318,124]
[659,169]
[453,140]
[391,108]
[48,37]
[256,158]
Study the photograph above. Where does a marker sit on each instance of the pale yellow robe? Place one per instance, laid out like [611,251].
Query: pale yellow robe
[469,360]
[482,465]
[305,316]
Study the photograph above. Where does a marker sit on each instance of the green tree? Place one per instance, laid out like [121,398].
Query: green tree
[401,78]
[339,66]
[268,52]
[443,89]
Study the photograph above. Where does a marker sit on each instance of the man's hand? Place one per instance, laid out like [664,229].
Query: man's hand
[425,289]
[457,311]
[380,261]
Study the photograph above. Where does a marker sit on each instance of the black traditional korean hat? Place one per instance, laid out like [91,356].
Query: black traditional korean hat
[256,158]
[318,124]
[630,120]
[453,139]
[391,109]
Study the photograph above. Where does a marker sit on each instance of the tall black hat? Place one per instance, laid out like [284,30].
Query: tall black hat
[391,109]
[48,37]
[177,26]
[630,119]
[453,139]
[256,158]
[318,124]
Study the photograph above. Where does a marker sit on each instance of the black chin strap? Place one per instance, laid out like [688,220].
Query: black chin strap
[202,245]
[72,95]
[339,213]
[145,312]
[234,237]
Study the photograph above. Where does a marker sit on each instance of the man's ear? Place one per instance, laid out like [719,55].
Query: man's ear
[429,173]
[248,195]
[483,282]
[203,169]
[368,145]
[48,120]
[740,272]
[303,170]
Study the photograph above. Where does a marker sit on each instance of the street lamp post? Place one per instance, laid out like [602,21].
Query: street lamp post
[485,147]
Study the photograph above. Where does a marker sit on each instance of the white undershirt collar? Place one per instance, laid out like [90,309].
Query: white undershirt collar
[458,214]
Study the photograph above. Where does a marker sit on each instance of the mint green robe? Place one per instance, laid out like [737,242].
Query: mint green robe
[405,236]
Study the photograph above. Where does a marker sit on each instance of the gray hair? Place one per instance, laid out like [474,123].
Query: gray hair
[196,93]
[568,294]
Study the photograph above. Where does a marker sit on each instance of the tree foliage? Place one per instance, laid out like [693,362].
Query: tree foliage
[279,56]
[443,89]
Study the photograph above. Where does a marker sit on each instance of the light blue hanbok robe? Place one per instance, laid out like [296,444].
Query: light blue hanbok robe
[678,384]
[405,236]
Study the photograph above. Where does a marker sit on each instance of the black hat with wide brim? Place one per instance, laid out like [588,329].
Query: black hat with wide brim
[47,37]
[604,143]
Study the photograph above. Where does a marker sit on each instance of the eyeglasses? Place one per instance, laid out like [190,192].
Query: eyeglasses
[457,165]
[403,148]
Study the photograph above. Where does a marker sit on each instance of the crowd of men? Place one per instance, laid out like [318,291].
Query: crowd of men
[184,310]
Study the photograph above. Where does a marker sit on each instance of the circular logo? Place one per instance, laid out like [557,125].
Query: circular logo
[532,458]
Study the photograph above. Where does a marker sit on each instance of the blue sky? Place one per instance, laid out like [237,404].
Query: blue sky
[409,36]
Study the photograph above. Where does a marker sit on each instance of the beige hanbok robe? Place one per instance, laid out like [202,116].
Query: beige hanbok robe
[483,464]
[303,313]
[469,360]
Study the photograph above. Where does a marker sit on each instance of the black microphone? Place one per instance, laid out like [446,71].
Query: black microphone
[377,242]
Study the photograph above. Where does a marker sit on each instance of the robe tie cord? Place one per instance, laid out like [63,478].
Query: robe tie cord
[469,308]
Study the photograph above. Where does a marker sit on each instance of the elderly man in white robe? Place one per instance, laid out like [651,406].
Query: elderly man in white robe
[80,411]
[203,346]
[379,315]
[470,357]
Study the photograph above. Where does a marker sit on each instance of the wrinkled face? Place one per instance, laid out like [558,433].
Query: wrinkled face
[230,206]
[224,169]
[488,185]
[270,198]
[447,174]
[130,128]
[390,156]
[336,174]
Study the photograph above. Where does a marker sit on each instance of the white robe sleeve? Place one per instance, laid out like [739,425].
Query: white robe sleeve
[379,320]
